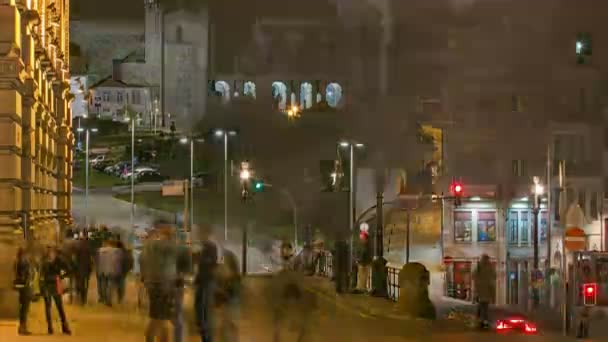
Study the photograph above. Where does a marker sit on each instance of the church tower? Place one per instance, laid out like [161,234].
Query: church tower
[153,31]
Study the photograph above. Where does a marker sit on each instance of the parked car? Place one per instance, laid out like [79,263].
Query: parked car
[149,177]
[98,159]
[127,174]
[100,166]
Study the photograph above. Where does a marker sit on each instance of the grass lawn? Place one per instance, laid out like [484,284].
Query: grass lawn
[96,179]
[209,209]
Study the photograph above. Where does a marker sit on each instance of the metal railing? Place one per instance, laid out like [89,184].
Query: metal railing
[325,268]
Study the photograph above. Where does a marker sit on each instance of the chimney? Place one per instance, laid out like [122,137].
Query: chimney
[116,69]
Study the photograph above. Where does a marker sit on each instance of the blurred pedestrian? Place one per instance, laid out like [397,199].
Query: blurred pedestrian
[84,266]
[109,268]
[126,265]
[23,284]
[205,284]
[184,268]
[158,263]
[485,284]
[229,290]
[53,270]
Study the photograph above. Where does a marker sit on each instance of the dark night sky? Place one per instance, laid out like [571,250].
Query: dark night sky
[108,9]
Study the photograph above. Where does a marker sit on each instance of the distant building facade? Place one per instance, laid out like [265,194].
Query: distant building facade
[115,100]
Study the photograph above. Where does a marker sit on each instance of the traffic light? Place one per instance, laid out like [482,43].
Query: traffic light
[258,186]
[590,294]
[363,236]
[457,190]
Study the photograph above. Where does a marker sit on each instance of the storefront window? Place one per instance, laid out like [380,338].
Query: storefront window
[459,280]
[542,225]
[486,226]
[513,227]
[463,226]
[524,226]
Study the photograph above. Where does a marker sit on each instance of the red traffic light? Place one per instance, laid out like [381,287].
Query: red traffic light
[456,189]
[590,294]
[363,236]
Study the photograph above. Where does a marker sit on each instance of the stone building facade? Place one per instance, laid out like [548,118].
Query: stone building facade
[35,119]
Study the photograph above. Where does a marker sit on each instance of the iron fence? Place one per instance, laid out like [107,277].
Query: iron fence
[324,268]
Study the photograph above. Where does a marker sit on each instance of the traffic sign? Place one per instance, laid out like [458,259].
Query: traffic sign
[364,227]
[575,239]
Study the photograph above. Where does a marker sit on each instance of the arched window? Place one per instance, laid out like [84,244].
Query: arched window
[333,93]
[179,34]
[279,95]
[223,89]
[306,95]
[249,89]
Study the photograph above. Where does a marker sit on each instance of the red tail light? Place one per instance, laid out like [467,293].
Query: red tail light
[502,326]
[530,328]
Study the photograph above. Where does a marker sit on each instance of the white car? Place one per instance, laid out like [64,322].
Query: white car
[97,159]
[138,170]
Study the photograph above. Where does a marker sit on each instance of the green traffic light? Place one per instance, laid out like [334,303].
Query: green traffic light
[259,185]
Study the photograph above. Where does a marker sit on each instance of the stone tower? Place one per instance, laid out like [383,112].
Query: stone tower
[153,31]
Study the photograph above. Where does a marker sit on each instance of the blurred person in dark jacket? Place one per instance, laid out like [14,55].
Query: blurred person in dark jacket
[23,284]
[52,270]
[126,265]
[159,273]
[228,295]
[205,284]
[84,266]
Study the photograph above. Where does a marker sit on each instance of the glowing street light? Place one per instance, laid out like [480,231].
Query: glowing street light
[245,175]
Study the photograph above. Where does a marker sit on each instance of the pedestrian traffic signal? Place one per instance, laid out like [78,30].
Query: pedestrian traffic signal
[590,294]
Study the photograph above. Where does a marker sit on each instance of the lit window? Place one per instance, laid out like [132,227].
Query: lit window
[513,227]
[524,226]
[486,226]
[463,226]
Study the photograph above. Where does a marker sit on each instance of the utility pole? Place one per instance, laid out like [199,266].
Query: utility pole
[351,206]
[407,237]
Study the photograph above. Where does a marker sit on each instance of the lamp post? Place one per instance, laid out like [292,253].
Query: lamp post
[537,190]
[351,145]
[131,118]
[86,171]
[184,141]
[222,133]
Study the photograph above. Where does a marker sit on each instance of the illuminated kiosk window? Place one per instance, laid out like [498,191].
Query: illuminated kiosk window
[306,95]
[249,89]
[333,94]
[463,226]
[279,95]
[223,89]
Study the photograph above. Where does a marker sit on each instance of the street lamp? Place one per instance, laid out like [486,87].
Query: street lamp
[222,133]
[537,191]
[351,145]
[184,141]
[131,118]
[86,171]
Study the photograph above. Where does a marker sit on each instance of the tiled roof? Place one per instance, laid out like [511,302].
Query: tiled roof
[109,82]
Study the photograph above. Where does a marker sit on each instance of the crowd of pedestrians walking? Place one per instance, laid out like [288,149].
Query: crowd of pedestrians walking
[167,267]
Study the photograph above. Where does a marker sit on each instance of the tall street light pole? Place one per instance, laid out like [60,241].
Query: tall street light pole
[86,172]
[351,197]
[225,134]
[184,141]
[132,118]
